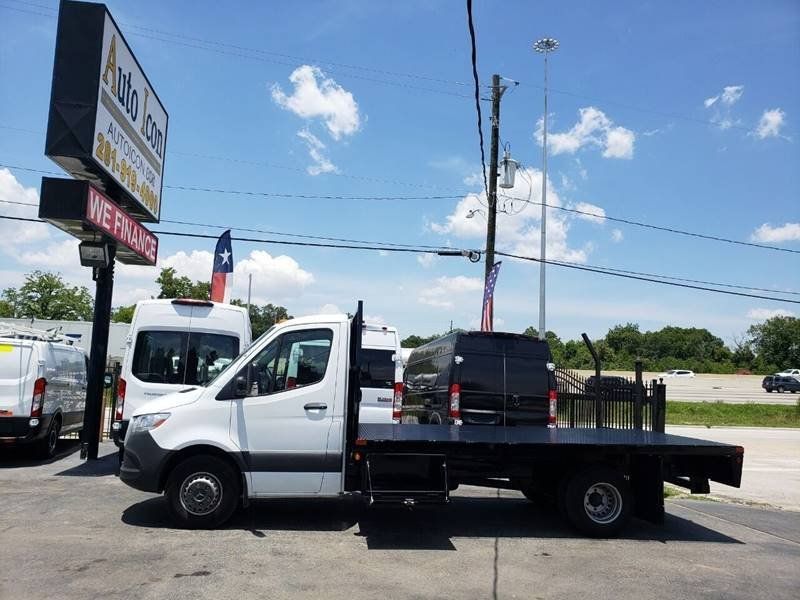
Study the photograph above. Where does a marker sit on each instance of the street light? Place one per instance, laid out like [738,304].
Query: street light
[473,255]
[544,46]
[475,211]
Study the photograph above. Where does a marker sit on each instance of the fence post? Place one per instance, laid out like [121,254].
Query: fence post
[661,402]
[598,400]
[637,398]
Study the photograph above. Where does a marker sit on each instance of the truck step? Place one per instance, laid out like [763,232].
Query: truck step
[407,479]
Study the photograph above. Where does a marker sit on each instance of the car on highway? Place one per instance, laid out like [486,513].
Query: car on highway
[789,373]
[678,373]
[777,383]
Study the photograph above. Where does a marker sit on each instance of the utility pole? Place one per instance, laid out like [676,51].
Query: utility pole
[497,93]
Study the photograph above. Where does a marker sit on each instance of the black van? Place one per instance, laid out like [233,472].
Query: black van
[480,378]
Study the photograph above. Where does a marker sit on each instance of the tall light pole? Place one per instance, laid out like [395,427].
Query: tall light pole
[544,46]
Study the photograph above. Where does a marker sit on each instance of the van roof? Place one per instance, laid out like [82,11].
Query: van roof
[481,341]
[171,301]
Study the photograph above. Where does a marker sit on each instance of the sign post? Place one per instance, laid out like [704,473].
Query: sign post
[108,129]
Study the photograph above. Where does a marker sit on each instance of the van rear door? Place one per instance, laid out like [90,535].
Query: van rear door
[18,371]
[482,393]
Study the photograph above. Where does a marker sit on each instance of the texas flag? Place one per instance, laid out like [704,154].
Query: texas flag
[222,276]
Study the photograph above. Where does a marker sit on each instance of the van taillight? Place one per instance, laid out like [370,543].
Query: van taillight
[455,403]
[120,399]
[397,403]
[39,387]
[552,396]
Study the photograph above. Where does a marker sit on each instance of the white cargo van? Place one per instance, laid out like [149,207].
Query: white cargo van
[173,344]
[381,373]
[42,388]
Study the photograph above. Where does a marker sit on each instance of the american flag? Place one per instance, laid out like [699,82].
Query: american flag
[487,318]
[222,275]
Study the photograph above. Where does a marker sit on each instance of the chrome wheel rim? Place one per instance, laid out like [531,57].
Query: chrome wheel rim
[602,503]
[201,494]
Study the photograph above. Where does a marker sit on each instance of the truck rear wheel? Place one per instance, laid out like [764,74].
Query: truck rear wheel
[202,492]
[598,501]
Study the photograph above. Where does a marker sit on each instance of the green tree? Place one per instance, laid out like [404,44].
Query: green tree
[553,341]
[776,343]
[414,341]
[173,286]
[46,296]
[122,314]
[6,310]
[264,317]
[625,340]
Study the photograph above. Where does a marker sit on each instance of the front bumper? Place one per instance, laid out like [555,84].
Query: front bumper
[144,462]
[18,430]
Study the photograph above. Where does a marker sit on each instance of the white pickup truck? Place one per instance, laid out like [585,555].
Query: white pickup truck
[282,421]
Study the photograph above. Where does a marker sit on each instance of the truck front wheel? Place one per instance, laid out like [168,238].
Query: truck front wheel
[598,501]
[202,492]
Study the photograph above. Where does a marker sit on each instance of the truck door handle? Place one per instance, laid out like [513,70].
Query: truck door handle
[316,406]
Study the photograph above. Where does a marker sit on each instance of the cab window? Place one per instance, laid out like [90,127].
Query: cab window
[294,360]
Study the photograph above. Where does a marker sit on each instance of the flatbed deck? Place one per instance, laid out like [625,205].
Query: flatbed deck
[632,440]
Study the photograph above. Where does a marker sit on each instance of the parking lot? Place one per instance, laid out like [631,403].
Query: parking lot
[72,530]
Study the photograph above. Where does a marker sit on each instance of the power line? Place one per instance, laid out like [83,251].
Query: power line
[265,194]
[243,50]
[358,245]
[474,60]
[458,196]
[656,227]
[603,271]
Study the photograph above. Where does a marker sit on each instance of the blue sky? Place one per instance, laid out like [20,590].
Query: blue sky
[679,114]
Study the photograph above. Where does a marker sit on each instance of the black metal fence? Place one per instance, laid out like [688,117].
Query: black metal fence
[610,401]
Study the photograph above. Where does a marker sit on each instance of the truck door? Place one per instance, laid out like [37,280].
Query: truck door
[282,426]
[527,390]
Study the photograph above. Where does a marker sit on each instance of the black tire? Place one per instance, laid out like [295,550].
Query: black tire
[780,389]
[598,501]
[46,447]
[769,390]
[202,492]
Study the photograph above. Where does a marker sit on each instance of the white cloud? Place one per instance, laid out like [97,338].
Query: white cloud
[447,289]
[593,128]
[14,233]
[597,213]
[770,123]
[722,103]
[53,256]
[729,96]
[427,260]
[616,236]
[518,233]
[789,232]
[760,314]
[619,143]
[316,151]
[330,309]
[273,277]
[318,96]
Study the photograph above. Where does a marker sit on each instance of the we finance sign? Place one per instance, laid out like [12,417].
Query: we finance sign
[106,122]
[107,217]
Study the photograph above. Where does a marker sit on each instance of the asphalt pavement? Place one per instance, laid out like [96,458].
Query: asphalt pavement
[72,530]
[771,472]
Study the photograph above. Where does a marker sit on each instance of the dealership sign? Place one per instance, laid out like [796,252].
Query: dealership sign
[106,123]
[83,211]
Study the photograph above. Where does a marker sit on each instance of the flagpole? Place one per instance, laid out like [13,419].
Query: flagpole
[249,289]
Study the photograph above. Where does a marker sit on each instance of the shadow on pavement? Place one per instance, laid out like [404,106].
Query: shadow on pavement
[15,457]
[104,465]
[423,527]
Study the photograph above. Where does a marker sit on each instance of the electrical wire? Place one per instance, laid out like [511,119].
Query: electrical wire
[604,271]
[626,221]
[427,250]
[474,59]
[460,196]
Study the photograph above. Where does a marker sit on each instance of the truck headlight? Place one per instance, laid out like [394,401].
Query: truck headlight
[148,422]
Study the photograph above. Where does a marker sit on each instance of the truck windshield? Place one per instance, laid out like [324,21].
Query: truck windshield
[178,357]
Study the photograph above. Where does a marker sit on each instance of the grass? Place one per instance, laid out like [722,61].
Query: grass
[717,414]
